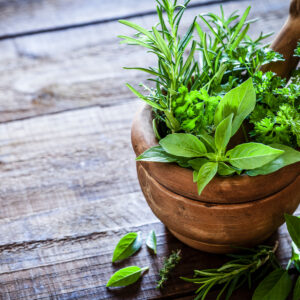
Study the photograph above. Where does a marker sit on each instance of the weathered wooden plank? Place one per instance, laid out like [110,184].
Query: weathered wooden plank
[83,67]
[23,17]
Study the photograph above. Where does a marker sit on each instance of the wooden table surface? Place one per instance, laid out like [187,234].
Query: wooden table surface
[68,185]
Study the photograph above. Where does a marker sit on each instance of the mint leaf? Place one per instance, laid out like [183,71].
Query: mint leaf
[240,101]
[223,133]
[293,226]
[151,241]
[252,155]
[277,285]
[290,156]
[183,144]
[127,246]
[206,173]
[125,276]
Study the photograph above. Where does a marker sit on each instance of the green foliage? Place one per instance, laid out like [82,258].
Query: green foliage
[169,264]
[151,241]
[276,117]
[277,285]
[127,246]
[233,274]
[125,276]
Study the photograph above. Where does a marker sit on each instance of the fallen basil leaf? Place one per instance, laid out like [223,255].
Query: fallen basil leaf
[151,241]
[125,276]
[277,285]
[296,293]
[128,245]
[293,226]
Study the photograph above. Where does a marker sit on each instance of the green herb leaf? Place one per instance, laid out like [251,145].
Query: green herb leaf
[252,155]
[206,174]
[197,163]
[290,156]
[225,170]
[128,245]
[223,133]
[183,144]
[158,154]
[151,241]
[293,226]
[125,276]
[296,293]
[277,285]
[240,101]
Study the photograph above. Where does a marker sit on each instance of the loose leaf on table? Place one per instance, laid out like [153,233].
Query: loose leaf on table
[252,155]
[296,292]
[240,101]
[206,173]
[127,246]
[223,133]
[183,144]
[158,154]
[293,226]
[290,156]
[277,285]
[151,241]
[125,276]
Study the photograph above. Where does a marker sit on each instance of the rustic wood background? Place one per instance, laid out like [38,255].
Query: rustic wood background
[68,185]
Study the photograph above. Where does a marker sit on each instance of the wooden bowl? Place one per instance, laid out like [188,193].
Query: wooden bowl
[231,211]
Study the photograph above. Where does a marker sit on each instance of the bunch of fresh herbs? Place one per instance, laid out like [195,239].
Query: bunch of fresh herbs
[208,89]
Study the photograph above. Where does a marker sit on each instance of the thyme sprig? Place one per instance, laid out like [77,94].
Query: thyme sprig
[168,266]
[234,273]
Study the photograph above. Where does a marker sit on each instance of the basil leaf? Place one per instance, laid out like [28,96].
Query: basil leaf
[277,285]
[125,276]
[296,293]
[295,256]
[197,163]
[223,133]
[293,226]
[252,155]
[240,101]
[225,170]
[208,140]
[151,241]
[206,173]
[128,245]
[157,154]
[290,156]
[183,144]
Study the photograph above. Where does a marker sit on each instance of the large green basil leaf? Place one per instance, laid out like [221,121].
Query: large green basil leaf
[183,144]
[290,156]
[296,293]
[223,133]
[277,285]
[125,276]
[252,155]
[239,101]
[158,154]
[206,173]
[128,245]
[293,226]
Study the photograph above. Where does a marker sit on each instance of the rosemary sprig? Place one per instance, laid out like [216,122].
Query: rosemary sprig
[236,272]
[168,266]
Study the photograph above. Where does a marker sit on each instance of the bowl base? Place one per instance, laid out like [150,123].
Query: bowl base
[210,247]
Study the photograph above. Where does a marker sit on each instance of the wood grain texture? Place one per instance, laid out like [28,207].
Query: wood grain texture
[68,187]
[82,67]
